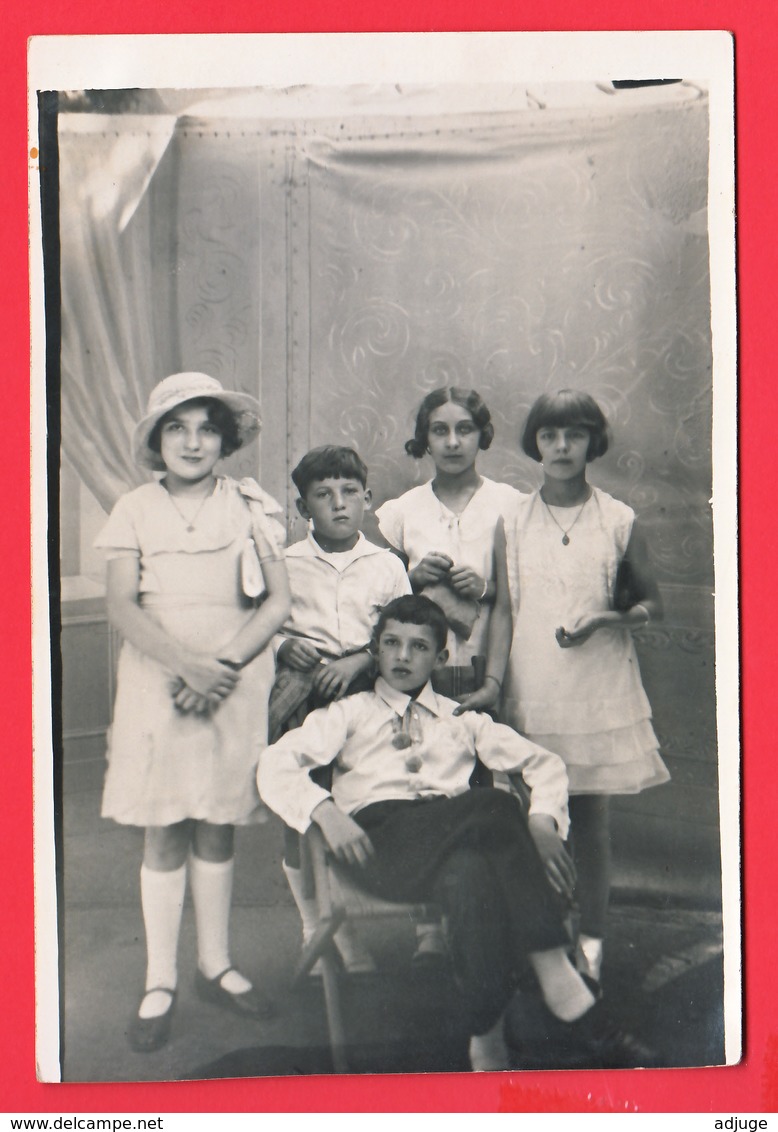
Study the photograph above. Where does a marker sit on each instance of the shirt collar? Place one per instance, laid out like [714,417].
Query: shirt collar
[398,701]
[309,548]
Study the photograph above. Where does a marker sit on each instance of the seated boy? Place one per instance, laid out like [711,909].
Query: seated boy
[339,582]
[400,814]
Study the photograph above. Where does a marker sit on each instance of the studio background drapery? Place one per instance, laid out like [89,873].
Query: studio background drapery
[108,343]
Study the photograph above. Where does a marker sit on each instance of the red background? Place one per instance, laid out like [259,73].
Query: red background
[749,1087]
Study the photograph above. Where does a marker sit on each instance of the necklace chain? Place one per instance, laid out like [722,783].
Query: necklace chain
[189,521]
[566,530]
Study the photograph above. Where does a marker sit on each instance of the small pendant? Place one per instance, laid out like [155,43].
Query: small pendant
[190,527]
[565,540]
[413,764]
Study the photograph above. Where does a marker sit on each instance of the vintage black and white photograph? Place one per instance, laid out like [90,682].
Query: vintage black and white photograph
[390,424]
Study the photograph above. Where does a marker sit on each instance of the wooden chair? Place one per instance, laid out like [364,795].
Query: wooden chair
[339,899]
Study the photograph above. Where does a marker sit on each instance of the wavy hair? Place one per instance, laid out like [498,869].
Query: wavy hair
[467,399]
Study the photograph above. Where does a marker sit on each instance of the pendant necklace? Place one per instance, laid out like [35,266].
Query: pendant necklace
[190,522]
[566,530]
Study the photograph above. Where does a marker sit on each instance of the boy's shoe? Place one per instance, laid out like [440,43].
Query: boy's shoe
[431,950]
[540,1040]
[357,960]
[603,1044]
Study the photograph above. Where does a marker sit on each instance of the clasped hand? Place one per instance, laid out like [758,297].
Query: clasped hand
[439,567]
[202,684]
[333,677]
[299,653]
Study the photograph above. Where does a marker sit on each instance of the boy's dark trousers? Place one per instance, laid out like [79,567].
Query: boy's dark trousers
[474,856]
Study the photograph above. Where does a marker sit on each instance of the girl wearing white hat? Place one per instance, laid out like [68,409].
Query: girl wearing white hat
[197,587]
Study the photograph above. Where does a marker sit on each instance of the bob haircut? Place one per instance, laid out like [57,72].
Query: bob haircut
[219,415]
[414,609]
[563,409]
[468,399]
[330,461]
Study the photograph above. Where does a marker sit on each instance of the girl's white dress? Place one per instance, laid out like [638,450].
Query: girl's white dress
[418,523]
[164,766]
[585,703]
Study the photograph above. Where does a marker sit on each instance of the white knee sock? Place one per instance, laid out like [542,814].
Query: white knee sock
[211,883]
[564,991]
[589,956]
[306,905]
[162,901]
[430,939]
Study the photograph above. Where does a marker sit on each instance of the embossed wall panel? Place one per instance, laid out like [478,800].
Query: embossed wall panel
[217,262]
[541,252]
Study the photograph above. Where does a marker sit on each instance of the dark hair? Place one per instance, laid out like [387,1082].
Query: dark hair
[220,416]
[468,399]
[563,409]
[414,609]
[330,461]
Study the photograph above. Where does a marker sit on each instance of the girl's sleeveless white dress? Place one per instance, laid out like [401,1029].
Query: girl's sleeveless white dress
[585,703]
[163,766]
[417,523]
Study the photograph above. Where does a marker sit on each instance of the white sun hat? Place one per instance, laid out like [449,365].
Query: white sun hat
[181,387]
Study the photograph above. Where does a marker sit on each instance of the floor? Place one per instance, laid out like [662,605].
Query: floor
[663,977]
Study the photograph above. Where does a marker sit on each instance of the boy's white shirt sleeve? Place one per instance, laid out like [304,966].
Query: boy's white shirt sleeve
[282,775]
[501,748]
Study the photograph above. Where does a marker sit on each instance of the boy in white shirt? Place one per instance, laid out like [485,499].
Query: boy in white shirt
[339,582]
[400,813]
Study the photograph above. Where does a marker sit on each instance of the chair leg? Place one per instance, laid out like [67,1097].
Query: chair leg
[335,1025]
[321,945]
[318,945]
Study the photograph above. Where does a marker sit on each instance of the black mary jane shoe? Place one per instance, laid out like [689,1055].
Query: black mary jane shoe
[146,1035]
[250,1004]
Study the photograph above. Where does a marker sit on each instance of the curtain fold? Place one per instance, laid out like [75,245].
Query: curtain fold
[107,348]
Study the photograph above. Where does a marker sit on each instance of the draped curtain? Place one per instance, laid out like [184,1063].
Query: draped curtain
[108,346]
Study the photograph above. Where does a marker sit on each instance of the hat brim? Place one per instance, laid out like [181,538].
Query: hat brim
[244,407]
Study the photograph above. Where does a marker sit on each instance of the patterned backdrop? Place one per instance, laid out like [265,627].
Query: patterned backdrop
[517,264]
